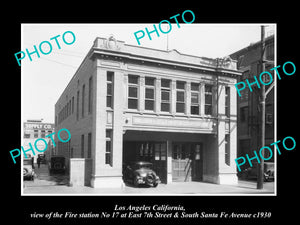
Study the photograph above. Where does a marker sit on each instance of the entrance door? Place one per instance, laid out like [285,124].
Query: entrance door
[197,162]
[160,160]
[187,162]
[181,162]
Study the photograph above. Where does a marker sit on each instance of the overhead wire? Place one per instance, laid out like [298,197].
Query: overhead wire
[59,62]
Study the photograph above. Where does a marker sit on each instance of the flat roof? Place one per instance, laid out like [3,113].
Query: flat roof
[111,46]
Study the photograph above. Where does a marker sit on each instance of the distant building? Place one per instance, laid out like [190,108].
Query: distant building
[249,122]
[34,129]
[128,103]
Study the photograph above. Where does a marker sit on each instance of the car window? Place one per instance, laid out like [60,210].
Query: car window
[27,162]
[144,166]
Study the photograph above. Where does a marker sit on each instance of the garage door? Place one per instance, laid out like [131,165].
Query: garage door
[187,162]
[181,162]
[149,151]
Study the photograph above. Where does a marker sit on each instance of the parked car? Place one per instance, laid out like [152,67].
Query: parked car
[28,170]
[140,172]
[57,164]
[251,172]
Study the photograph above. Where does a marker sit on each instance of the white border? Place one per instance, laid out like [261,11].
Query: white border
[129,194]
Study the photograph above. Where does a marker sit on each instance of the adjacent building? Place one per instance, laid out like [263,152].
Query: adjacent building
[34,129]
[128,103]
[249,121]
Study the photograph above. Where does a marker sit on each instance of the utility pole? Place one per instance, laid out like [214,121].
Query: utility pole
[260,177]
[168,42]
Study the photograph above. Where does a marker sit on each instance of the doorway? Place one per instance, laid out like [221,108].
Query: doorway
[149,151]
[187,162]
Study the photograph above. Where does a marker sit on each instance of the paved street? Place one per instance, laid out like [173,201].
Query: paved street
[58,185]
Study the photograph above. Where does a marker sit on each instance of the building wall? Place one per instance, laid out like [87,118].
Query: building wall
[69,116]
[249,104]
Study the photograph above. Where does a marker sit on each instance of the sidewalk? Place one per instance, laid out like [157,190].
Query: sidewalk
[178,188]
[58,185]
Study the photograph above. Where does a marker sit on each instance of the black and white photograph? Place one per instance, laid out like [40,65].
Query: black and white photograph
[165,116]
[159,118]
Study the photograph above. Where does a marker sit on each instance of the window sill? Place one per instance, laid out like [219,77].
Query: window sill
[161,113]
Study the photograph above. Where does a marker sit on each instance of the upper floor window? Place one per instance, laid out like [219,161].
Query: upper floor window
[244,114]
[195,103]
[245,93]
[149,93]
[77,105]
[133,87]
[82,101]
[43,133]
[165,95]
[90,95]
[69,106]
[36,133]
[72,104]
[208,99]
[180,96]
[270,52]
[227,101]
[109,90]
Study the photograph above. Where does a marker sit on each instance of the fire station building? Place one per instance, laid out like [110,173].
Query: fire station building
[127,103]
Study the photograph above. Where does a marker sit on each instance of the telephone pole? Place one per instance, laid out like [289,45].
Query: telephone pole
[260,172]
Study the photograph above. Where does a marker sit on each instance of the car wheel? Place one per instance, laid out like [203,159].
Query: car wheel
[25,171]
[57,166]
[150,179]
[135,182]
[127,181]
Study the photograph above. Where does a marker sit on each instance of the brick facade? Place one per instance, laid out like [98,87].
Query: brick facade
[248,61]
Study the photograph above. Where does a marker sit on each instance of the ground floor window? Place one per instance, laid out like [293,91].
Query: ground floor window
[181,151]
[227,149]
[152,151]
[89,145]
[160,151]
[108,148]
[82,146]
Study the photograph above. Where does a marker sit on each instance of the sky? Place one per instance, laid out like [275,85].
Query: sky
[44,79]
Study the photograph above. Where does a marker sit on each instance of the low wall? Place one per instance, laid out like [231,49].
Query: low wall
[80,171]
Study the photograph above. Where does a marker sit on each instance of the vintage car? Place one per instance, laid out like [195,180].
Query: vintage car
[140,173]
[57,164]
[28,170]
[251,172]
